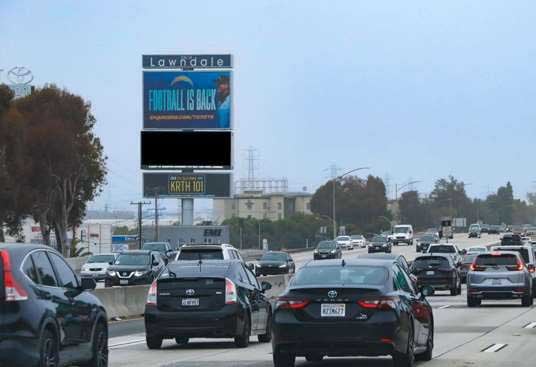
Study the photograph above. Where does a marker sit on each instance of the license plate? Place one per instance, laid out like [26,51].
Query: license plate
[123,281]
[496,282]
[190,302]
[333,310]
[431,272]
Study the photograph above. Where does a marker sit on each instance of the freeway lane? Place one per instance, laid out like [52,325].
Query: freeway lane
[461,336]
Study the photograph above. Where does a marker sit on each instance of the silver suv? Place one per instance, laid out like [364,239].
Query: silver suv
[499,275]
[528,256]
[208,252]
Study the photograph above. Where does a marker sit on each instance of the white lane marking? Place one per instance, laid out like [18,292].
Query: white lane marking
[532,325]
[494,348]
[443,307]
[125,341]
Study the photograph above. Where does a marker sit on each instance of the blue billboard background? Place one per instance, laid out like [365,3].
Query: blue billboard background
[187,100]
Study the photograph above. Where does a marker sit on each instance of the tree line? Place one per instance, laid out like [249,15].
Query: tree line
[51,162]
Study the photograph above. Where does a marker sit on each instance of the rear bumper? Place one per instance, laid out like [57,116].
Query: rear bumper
[437,283]
[18,350]
[93,275]
[378,249]
[510,292]
[225,323]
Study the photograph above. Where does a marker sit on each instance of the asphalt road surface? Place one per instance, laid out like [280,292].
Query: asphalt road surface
[496,334]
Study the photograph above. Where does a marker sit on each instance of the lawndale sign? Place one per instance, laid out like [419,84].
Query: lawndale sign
[187,61]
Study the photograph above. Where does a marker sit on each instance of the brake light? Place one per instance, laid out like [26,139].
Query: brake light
[291,304]
[531,268]
[151,296]
[14,291]
[381,304]
[231,296]
[520,265]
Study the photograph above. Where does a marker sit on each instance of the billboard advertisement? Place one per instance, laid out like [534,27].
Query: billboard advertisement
[171,184]
[187,61]
[187,99]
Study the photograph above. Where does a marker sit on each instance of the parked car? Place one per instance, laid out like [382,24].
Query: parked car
[499,275]
[345,242]
[276,262]
[164,248]
[447,248]
[352,308]
[134,267]
[208,252]
[97,265]
[327,250]
[358,240]
[47,315]
[208,299]
[467,261]
[474,231]
[379,244]
[438,271]
[425,240]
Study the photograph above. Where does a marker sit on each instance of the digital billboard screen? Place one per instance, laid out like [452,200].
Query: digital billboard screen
[186,149]
[187,99]
[172,184]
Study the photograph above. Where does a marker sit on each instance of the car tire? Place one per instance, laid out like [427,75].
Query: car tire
[242,340]
[182,340]
[473,302]
[267,336]
[49,354]
[283,359]
[406,359]
[99,347]
[527,301]
[153,342]
[314,357]
[427,354]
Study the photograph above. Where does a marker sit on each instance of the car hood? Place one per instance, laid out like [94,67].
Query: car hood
[96,265]
[326,250]
[128,267]
[270,263]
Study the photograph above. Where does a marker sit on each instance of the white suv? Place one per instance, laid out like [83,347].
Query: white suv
[97,265]
[208,252]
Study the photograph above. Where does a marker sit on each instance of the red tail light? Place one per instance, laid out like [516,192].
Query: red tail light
[14,291]
[382,304]
[231,297]
[292,304]
[151,296]
[531,268]
[520,265]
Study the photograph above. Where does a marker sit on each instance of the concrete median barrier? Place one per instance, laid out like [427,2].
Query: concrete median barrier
[123,301]
[279,284]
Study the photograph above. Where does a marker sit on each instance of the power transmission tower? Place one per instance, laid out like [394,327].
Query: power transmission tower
[140,219]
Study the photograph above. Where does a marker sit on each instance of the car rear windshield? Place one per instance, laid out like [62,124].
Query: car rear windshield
[427,238]
[160,247]
[511,240]
[101,259]
[524,252]
[343,238]
[442,249]
[326,245]
[274,256]
[132,259]
[496,260]
[357,237]
[469,258]
[341,275]
[431,261]
[200,254]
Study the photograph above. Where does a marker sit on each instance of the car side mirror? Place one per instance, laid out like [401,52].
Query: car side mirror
[88,284]
[166,261]
[427,291]
[463,252]
[265,286]
[156,263]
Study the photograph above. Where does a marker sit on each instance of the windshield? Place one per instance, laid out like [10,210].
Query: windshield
[381,239]
[160,247]
[401,230]
[101,259]
[496,260]
[431,261]
[274,256]
[199,254]
[132,259]
[338,275]
[326,245]
[343,238]
[357,237]
[474,228]
[442,249]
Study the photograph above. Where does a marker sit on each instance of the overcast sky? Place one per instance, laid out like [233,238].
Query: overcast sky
[415,89]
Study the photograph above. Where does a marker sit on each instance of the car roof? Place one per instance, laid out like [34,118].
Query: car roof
[381,256]
[446,256]
[209,247]
[206,268]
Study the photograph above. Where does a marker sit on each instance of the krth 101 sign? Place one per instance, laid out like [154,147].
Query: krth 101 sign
[186,185]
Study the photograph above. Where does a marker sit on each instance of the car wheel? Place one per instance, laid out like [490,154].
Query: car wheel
[406,359]
[314,358]
[242,340]
[153,342]
[527,301]
[182,340]
[473,302]
[99,347]
[283,359]
[48,350]
[267,336]
[427,354]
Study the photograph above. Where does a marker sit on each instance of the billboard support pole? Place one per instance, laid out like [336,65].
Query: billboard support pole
[187,211]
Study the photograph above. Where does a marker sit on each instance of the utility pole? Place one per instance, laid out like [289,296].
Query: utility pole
[140,224]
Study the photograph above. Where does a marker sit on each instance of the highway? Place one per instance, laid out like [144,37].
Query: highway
[496,334]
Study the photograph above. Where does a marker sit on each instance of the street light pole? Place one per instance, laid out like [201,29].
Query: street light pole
[335,179]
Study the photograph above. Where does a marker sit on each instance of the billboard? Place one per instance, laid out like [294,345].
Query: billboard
[171,184]
[187,99]
[186,149]
[186,61]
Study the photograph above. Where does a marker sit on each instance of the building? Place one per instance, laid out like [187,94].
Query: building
[260,205]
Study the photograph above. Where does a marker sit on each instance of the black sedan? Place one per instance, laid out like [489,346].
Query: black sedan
[379,244]
[134,268]
[275,262]
[438,271]
[47,316]
[425,241]
[360,307]
[327,250]
[208,299]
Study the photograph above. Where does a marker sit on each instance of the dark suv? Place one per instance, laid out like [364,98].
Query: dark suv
[134,268]
[47,317]
[438,271]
